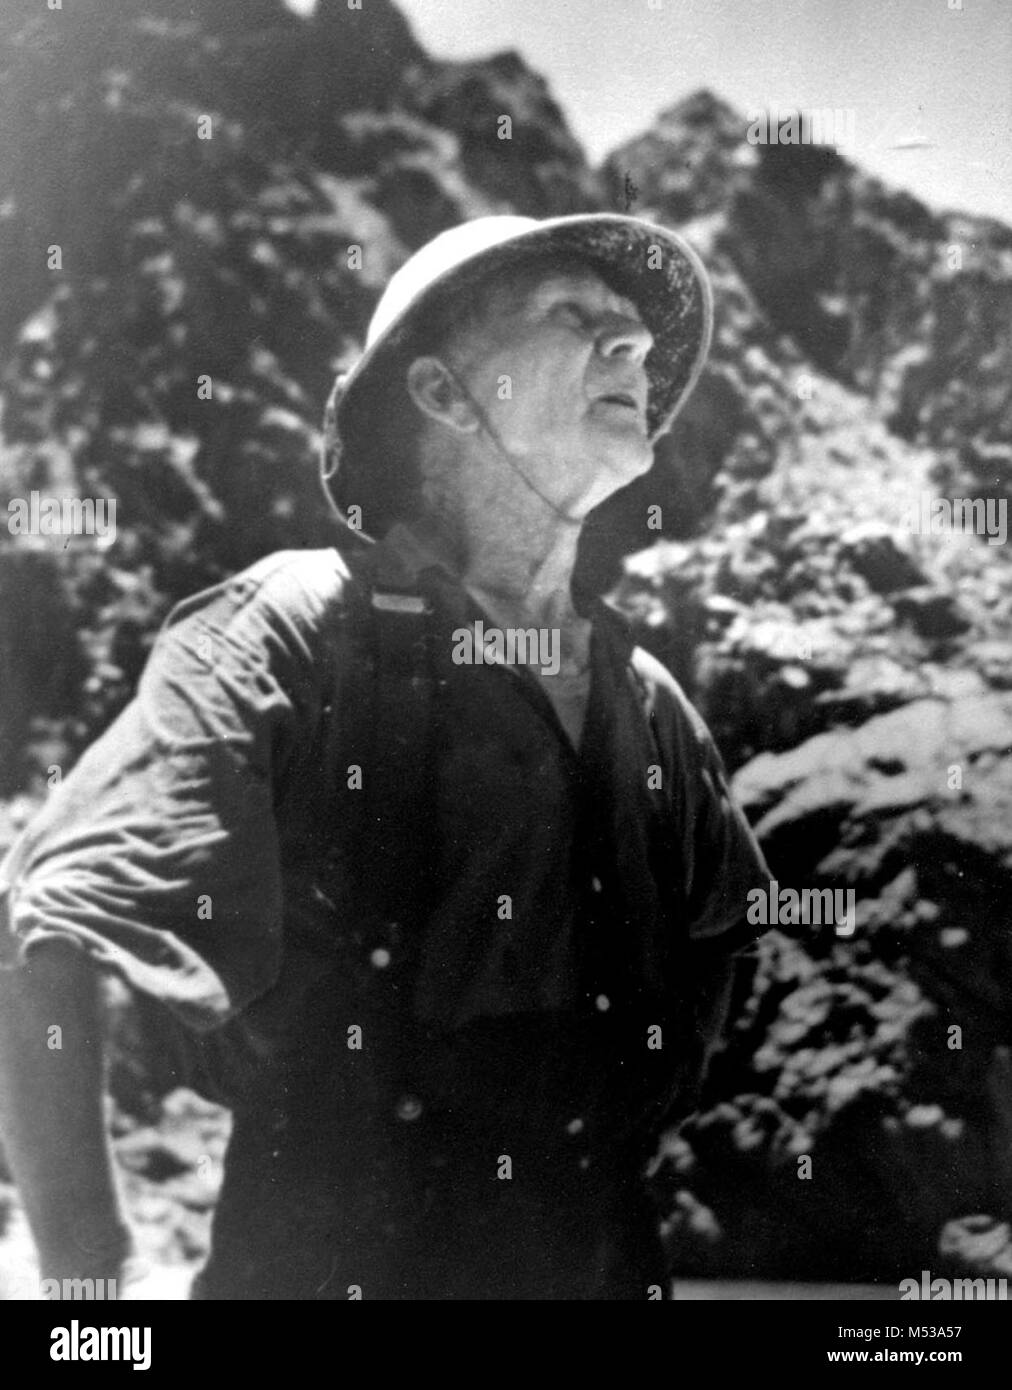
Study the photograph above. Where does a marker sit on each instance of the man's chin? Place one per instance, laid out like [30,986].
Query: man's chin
[616,469]
[605,466]
[625,460]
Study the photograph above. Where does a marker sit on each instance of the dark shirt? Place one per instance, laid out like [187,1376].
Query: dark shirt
[574,897]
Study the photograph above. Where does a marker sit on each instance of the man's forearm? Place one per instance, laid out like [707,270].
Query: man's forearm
[52,1122]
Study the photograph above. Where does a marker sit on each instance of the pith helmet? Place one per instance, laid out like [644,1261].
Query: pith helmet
[647,263]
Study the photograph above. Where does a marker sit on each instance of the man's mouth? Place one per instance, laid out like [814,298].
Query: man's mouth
[623,398]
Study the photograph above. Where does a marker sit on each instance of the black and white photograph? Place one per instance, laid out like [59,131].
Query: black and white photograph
[505,663]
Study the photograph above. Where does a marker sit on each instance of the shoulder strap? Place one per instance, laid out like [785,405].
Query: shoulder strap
[392,725]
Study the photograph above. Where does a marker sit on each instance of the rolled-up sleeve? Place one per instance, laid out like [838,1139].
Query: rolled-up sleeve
[719,857]
[723,858]
[159,853]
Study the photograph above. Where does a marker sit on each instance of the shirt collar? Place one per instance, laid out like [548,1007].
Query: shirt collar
[408,555]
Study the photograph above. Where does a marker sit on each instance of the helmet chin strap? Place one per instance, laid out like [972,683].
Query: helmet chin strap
[504,453]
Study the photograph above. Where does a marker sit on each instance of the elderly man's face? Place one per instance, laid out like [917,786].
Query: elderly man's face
[574,352]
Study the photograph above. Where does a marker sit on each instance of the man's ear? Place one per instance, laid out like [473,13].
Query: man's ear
[436,391]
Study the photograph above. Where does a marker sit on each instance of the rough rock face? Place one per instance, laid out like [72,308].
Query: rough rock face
[856,675]
[540,169]
[849,1045]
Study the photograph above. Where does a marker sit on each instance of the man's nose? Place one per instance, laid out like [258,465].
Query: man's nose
[625,337]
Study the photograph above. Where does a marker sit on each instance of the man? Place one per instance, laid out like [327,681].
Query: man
[440,871]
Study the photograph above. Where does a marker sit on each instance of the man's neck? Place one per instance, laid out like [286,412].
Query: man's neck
[521,576]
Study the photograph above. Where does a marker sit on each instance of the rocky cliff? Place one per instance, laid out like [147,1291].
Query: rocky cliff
[856,674]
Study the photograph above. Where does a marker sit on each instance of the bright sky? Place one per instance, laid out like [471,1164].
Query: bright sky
[930,86]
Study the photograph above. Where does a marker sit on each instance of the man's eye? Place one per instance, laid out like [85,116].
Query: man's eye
[571,312]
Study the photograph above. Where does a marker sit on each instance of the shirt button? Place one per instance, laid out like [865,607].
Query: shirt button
[380,958]
[595,884]
[603,1003]
[575,1127]
[409,1108]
